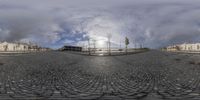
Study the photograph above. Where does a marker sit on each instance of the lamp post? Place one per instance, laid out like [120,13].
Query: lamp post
[109,43]
[89,46]
[94,43]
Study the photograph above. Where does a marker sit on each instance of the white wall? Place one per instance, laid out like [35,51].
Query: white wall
[185,47]
[13,47]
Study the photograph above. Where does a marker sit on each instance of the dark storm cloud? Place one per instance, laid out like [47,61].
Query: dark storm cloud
[155,23]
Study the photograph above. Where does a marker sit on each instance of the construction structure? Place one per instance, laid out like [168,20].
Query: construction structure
[71,48]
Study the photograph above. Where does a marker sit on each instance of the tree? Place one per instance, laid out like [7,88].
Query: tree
[126,43]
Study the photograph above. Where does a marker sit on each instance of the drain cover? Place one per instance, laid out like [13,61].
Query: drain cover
[1,63]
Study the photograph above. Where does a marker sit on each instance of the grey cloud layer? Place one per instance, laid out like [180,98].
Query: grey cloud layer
[154,23]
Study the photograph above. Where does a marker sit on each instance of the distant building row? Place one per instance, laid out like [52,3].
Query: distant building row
[9,47]
[184,47]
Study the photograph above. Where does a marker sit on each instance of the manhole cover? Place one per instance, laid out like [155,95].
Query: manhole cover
[1,63]
[192,62]
[177,59]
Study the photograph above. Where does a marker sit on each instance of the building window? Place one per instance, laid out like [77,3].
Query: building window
[198,47]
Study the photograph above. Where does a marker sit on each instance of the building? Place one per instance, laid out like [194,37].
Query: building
[190,47]
[19,47]
[173,48]
[184,47]
[71,48]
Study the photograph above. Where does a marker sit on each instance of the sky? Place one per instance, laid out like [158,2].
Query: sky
[54,23]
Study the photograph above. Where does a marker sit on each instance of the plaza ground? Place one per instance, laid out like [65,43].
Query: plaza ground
[152,75]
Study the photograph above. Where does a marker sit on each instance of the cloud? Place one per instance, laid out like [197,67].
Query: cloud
[154,23]
[21,24]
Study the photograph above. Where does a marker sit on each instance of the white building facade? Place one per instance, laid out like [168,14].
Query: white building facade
[185,47]
[19,47]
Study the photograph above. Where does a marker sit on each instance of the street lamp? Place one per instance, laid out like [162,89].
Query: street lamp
[89,46]
[109,43]
[94,43]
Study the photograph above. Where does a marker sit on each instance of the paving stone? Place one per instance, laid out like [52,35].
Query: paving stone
[60,75]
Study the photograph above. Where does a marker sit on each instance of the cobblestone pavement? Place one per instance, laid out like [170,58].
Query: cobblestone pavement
[152,75]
